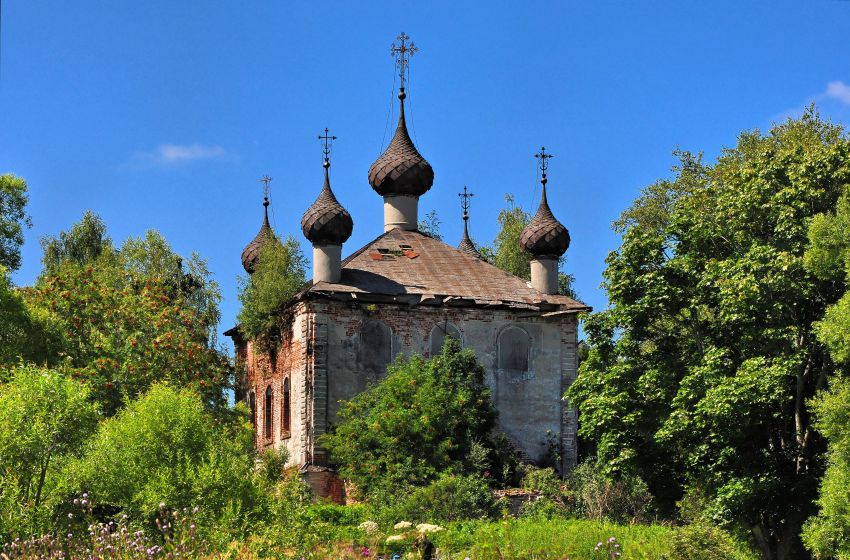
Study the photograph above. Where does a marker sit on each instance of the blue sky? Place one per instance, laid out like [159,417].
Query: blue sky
[164,114]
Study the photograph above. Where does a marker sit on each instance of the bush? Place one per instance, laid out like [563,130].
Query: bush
[166,448]
[425,418]
[449,498]
[598,496]
[543,507]
[704,542]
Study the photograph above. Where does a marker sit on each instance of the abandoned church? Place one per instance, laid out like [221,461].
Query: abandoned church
[404,292]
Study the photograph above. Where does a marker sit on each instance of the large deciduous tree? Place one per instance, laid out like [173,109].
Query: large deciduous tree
[13,220]
[700,371]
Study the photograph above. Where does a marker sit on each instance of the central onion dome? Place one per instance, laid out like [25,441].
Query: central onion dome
[326,222]
[252,250]
[545,236]
[401,170]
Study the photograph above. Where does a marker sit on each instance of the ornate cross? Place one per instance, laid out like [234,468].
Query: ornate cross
[328,141]
[543,156]
[266,180]
[402,54]
[465,196]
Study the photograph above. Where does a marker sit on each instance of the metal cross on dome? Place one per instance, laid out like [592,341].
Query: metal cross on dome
[465,196]
[266,181]
[328,141]
[543,156]
[402,53]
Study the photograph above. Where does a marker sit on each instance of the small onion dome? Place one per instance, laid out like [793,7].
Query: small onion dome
[252,250]
[466,244]
[544,236]
[401,169]
[326,222]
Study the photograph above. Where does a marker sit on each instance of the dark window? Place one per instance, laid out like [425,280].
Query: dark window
[375,348]
[513,349]
[268,412]
[285,408]
[439,334]
[252,404]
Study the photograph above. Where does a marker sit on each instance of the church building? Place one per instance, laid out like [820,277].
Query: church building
[404,292]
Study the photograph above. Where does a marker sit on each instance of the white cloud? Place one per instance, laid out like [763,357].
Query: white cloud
[176,153]
[838,90]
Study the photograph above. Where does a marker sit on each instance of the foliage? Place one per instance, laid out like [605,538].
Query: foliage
[120,340]
[430,226]
[166,448]
[44,418]
[85,244]
[704,542]
[448,498]
[828,534]
[13,220]
[27,334]
[622,498]
[279,273]
[699,371]
[418,422]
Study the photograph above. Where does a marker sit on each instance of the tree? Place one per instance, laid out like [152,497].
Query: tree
[509,255]
[119,341]
[13,220]
[280,273]
[44,418]
[86,243]
[699,373]
[26,334]
[424,418]
[431,225]
[166,448]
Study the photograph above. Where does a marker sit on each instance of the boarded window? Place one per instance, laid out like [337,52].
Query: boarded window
[285,425]
[439,334]
[268,412]
[375,348]
[514,345]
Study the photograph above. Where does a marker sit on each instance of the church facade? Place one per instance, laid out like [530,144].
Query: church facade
[403,293]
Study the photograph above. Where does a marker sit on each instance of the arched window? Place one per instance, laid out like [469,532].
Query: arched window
[376,347]
[514,345]
[439,334]
[268,412]
[285,410]
[252,404]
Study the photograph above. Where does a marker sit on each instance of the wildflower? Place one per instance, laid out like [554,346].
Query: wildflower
[369,526]
[366,551]
[401,525]
[395,538]
[428,528]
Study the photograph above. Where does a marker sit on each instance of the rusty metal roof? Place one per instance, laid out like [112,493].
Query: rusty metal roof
[424,269]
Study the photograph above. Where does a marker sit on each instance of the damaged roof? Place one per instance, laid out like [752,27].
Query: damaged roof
[422,269]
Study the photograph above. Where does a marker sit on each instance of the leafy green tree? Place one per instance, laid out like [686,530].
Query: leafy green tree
[26,334]
[166,448]
[119,341]
[699,373]
[13,220]
[280,273]
[431,225]
[85,244]
[44,419]
[421,420]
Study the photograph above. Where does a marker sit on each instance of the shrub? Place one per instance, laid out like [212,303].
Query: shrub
[449,498]
[166,448]
[599,496]
[423,419]
[704,542]
[547,508]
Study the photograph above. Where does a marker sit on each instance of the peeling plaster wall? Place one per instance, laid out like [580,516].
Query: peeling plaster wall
[333,350]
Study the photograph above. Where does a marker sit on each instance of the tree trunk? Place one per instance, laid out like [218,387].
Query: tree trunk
[41,478]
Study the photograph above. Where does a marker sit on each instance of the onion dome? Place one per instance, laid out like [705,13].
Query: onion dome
[401,169]
[252,250]
[545,236]
[466,244]
[326,222]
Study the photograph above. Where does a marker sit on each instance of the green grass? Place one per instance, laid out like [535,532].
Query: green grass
[521,539]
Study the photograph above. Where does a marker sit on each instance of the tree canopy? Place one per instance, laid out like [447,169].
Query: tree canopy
[13,220]
[699,373]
